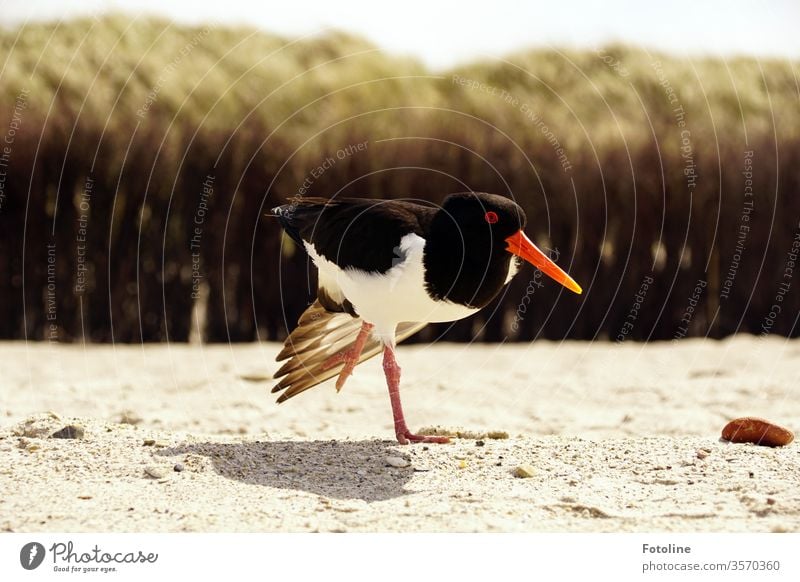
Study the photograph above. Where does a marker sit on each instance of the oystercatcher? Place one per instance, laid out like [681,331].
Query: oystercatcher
[386,269]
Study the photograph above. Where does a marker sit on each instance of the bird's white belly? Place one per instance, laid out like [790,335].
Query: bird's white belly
[398,295]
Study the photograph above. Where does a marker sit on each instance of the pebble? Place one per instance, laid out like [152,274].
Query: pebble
[130,417]
[479,443]
[398,462]
[524,471]
[255,377]
[149,442]
[71,431]
[757,431]
[703,453]
[178,467]
[155,472]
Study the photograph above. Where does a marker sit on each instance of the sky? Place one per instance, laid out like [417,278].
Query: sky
[444,33]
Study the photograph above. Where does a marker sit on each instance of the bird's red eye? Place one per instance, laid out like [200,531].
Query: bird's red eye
[491,217]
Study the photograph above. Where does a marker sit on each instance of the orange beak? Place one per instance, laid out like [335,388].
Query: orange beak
[521,245]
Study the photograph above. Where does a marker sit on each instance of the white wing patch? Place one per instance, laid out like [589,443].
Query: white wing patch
[329,285]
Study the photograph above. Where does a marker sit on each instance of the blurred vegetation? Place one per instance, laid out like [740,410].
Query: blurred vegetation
[146,110]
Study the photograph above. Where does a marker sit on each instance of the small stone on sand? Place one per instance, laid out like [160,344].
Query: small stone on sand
[71,431]
[255,377]
[524,471]
[155,472]
[129,417]
[398,462]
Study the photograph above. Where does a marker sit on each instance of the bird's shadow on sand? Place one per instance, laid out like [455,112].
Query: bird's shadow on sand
[337,469]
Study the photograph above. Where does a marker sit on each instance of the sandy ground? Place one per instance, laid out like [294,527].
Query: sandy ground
[620,438]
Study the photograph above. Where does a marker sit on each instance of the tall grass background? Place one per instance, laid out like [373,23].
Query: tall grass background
[146,110]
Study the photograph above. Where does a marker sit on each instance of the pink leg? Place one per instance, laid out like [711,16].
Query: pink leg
[349,357]
[392,371]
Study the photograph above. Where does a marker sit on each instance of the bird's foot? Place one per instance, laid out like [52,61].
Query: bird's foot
[343,357]
[347,357]
[405,436]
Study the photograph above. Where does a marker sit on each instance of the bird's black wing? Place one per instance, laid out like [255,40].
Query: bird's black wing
[351,233]
[354,232]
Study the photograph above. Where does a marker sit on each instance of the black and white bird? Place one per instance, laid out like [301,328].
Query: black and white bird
[386,269]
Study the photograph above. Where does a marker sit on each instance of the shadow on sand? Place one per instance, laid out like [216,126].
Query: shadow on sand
[338,469]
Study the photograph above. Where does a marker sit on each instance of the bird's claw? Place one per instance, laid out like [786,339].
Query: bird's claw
[347,357]
[406,436]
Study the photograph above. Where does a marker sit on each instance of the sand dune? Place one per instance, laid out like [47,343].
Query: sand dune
[619,438]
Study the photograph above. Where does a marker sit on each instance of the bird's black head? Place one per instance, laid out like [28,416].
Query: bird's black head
[470,246]
[486,219]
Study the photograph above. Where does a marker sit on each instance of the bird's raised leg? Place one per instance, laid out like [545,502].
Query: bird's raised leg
[392,371]
[349,357]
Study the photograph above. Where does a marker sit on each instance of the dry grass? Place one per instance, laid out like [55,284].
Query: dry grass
[148,109]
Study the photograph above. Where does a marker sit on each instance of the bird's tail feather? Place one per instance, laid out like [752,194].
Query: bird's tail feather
[319,335]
